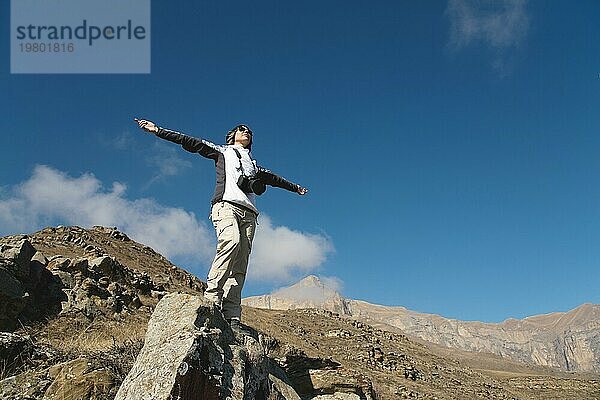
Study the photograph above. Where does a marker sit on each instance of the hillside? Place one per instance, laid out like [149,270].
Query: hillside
[76,304]
[568,341]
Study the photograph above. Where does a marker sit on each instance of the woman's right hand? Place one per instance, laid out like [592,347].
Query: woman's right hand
[146,125]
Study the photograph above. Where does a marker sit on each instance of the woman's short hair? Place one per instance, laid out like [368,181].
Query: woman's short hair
[230,138]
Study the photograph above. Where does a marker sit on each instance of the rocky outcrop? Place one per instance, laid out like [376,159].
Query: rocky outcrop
[190,352]
[74,242]
[319,378]
[569,341]
[102,286]
[34,287]
[28,291]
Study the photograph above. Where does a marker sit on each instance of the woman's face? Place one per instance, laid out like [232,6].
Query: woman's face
[243,136]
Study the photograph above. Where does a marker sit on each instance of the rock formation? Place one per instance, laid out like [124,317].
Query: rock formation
[569,341]
[190,352]
[28,291]
[62,279]
[35,287]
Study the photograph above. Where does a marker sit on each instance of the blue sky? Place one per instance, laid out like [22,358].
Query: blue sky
[450,147]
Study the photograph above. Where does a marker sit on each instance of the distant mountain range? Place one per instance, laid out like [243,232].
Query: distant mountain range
[568,341]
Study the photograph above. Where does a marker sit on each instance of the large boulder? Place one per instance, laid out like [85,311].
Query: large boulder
[20,254]
[13,298]
[190,352]
[28,290]
[14,270]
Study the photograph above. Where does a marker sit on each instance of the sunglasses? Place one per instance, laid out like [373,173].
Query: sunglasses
[244,129]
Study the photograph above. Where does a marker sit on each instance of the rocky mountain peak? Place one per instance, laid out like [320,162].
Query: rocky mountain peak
[309,288]
[310,292]
[311,280]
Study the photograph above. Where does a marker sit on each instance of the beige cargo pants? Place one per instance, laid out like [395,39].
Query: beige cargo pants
[235,228]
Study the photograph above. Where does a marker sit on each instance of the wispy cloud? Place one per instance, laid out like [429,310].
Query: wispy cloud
[279,252]
[166,161]
[52,197]
[499,24]
[124,141]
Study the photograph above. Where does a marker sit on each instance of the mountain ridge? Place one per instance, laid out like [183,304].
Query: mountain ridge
[568,340]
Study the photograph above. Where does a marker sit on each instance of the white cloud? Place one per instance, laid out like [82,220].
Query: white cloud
[279,252]
[52,197]
[499,24]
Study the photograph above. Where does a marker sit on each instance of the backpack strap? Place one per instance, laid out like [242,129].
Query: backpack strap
[239,156]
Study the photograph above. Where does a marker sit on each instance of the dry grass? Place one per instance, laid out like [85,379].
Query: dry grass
[111,344]
[73,335]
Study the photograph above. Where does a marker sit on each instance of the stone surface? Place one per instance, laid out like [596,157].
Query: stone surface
[338,396]
[13,298]
[281,390]
[28,291]
[190,352]
[78,379]
[14,351]
[26,386]
[20,254]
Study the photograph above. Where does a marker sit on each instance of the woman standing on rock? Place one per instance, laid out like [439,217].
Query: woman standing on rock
[234,212]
